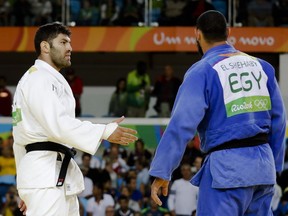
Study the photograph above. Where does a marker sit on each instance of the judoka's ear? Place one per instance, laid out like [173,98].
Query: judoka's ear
[197,34]
[228,30]
[45,47]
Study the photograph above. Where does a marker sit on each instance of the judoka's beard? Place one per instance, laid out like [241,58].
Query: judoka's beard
[200,50]
[58,59]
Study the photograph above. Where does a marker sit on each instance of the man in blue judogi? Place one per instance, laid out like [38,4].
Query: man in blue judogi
[234,102]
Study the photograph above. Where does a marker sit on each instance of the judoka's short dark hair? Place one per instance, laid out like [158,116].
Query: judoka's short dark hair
[213,25]
[47,33]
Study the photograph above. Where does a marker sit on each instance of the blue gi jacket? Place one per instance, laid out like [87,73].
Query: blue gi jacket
[226,95]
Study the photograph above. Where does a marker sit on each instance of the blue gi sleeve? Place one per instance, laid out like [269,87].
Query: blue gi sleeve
[188,111]
[278,127]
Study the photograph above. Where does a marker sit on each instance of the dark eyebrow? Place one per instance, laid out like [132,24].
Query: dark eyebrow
[65,40]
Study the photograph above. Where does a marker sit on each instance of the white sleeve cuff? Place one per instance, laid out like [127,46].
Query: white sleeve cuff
[110,128]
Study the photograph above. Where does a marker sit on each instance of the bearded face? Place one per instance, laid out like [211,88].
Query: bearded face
[60,51]
[60,58]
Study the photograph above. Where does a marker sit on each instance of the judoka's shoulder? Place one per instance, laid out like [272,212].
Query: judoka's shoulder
[199,68]
[267,67]
[39,74]
[37,78]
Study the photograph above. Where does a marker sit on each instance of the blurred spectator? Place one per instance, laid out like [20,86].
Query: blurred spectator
[112,174]
[132,204]
[8,142]
[109,211]
[280,12]
[157,6]
[286,157]
[132,173]
[97,205]
[10,205]
[282,209]
[124,207]
[241,12]
[89,161]
[114,161]
[5,9]
[140,153]
[41,12]
[108,188]
[109,13]
[282,178]
[57,10]
[1,145]
[118,100]
[88,191]
[192,156]
[89,15]
[198,163]
[260,13]
[165,90]
[76,85]
[192,151]
[183,195]
[22,13]
[172,13]
[46,12]
[141,9]
[7,170]
[276,197]
[138,88]
[154,209]
[75,7]
[136,194]
[82,210]
[119,165]
[142,179]
[97,175]
[122,151]
[193,9]
[130,15]
[5,98]
[222,6]
[36,10]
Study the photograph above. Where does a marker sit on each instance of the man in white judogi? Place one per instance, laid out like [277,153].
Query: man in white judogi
[44,124]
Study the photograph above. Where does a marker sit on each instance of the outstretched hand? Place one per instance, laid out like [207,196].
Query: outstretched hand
[156,185]
[122,135]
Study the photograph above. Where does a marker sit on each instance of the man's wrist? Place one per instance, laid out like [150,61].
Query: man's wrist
[109,129]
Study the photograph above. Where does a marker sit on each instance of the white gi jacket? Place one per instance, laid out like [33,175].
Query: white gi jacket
[43,110]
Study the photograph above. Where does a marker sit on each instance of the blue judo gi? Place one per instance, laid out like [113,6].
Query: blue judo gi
[227,95]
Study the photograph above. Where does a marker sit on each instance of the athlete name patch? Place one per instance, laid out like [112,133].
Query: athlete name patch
[244,85]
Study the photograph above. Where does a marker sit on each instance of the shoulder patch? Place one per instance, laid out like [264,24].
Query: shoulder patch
[16,116]
[32,69]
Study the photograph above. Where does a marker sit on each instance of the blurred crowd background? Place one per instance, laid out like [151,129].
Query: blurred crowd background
[139,12]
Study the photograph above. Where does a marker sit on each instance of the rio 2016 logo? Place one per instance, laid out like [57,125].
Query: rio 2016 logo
[244,106]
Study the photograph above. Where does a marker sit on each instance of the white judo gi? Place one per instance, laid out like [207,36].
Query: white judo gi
[43,110]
